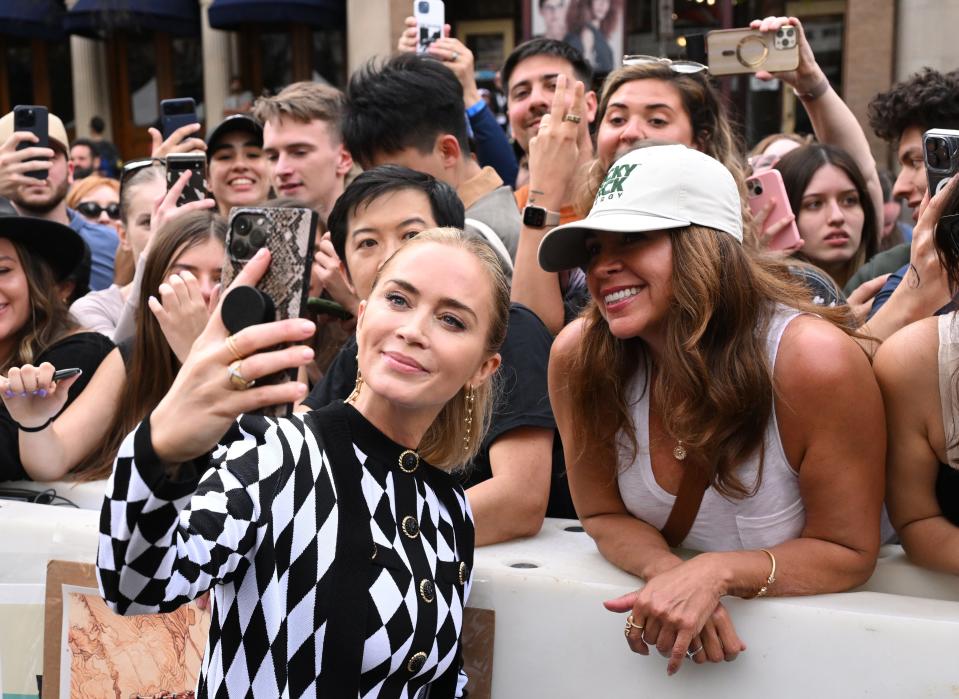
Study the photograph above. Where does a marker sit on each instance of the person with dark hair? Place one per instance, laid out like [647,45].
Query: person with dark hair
[237,170]
[46,198]
[409,111]
[36,256]
[518,476]
[84,157]
[901,115]
[590,24]
[107,152]
[834,212]
[918,372]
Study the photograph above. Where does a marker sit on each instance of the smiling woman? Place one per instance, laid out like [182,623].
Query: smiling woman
[688,398]
[343,523]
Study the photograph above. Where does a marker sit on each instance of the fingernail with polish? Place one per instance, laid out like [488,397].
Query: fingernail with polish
[9,394]
[42,393]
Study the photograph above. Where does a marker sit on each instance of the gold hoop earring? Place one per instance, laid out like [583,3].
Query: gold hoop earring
[359,382]
[470,397]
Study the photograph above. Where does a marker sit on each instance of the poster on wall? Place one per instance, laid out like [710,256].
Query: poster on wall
[595,27]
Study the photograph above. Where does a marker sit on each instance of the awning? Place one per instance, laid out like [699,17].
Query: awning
[234,14]
[97,18]
[32,19]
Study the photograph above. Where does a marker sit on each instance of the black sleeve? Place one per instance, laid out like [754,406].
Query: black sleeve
[84,351]
[339,380]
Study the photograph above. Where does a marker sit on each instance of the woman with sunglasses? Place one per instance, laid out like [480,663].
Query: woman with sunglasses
[97,199]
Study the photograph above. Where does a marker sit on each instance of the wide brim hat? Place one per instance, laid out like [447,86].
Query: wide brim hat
[61,246]
[651,188]
[234,122]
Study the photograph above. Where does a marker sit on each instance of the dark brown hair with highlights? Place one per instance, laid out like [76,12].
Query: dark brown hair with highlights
[713,374]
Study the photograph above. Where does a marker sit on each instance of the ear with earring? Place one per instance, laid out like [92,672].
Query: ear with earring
[470,397]
[359,382]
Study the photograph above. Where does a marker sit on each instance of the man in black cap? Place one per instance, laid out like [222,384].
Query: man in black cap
[237,171]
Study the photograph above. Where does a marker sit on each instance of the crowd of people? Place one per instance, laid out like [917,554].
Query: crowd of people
[605,333]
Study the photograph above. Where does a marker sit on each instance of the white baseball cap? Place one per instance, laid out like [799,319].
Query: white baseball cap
[652,188]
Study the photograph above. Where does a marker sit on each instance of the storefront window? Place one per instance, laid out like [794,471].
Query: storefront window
[61,81]
[142,82]
[19,59]
[188,70]
[329,52]
[277,60]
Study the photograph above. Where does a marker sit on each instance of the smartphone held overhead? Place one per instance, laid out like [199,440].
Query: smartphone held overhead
[430,18]
[737,51]
[176,165]
[175,113]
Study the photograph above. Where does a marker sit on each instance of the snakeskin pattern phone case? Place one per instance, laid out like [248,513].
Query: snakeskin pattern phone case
[289,235]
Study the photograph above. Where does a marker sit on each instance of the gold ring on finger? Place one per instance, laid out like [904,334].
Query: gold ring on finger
[631,623]
[575,118]
[231,345]
[236,378]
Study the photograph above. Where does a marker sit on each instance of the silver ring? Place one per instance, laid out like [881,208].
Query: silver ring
[692,653]
[455,56]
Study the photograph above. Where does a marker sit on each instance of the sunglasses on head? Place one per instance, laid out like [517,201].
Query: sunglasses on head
[675,66]
[91,209]
[132,167]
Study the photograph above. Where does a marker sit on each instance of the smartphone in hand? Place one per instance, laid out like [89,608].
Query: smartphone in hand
[289,234]
[940,151]
[175,113]
[177,164]
[430,18]
[35,119]
[736,51]
[760,189]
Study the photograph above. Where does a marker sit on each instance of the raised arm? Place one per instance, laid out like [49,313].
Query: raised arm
[908,372]
[832,119]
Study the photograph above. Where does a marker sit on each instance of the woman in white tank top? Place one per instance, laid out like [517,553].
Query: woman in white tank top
[697,358]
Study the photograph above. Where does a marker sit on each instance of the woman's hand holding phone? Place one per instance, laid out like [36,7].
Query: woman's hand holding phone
[165,208]
[31,394]
[808,75]
[769,232]
[203,401]
[180,141]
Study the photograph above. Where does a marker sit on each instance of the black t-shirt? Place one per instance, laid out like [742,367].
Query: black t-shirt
[84,350]
[522,399]
[947,492]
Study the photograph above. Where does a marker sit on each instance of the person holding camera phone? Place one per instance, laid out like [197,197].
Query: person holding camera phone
[45,197]
[179,277]
[338,525]
[917,369]
[36,255]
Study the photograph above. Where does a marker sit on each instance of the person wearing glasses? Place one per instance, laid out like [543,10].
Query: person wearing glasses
[97,199]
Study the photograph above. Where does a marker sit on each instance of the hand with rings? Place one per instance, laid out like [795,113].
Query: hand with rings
[555,150]
[217,382]
[678,612]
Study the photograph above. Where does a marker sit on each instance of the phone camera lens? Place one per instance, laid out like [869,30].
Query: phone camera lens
[257,238]
[424,7]
[242,225]
[758,189]
[239,249]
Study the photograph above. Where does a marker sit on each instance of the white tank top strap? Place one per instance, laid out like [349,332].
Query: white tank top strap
[948,365]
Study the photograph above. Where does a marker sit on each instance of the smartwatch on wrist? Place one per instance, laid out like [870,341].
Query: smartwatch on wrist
[538,217]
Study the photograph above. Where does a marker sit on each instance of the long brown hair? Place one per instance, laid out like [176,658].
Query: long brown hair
[713,373]
[50,320]
[443,443]
[153,365]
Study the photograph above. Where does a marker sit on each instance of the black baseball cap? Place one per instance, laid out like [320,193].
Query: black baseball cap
[59,245]
[234,122]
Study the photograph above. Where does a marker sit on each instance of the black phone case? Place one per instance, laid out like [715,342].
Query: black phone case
[38,125]
[171,122]
[289,234]
[195,189]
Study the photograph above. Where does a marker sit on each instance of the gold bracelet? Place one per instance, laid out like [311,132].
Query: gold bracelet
[772,575]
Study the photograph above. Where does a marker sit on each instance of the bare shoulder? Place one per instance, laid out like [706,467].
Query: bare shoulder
[816,355]
[567,344]
[909,357]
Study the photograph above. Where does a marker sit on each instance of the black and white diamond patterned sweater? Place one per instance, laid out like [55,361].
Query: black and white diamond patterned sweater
[339,566]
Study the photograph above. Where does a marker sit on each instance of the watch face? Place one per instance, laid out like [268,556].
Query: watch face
[534,216]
